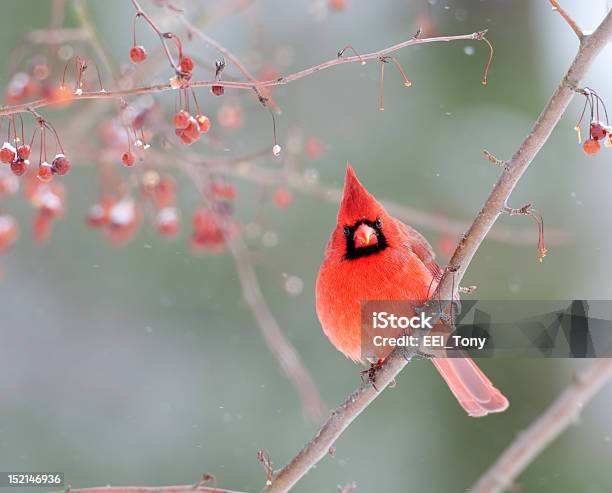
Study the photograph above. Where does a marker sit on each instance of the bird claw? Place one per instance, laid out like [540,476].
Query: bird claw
[371,373]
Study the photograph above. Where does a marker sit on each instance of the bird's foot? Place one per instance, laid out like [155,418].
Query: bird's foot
[370,373]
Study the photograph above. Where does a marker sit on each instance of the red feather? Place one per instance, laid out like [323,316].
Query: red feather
[404,270]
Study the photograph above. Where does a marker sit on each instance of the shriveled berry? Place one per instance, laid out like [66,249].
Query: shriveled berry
[138,54]
[19,166]
[45,171]
[181,119]
[186,64]
[591,147]
[7,153]
[203,123]
[597,131]
[60,165]
[217,90]
[23,151]
[128,158]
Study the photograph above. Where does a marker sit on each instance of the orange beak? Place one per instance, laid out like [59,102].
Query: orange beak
[365,236]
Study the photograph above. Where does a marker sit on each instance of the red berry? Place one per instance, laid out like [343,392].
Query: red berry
[185,139]
[223,191]
[98,215]
[128,158]
[23,151]
[168,223]
[42,227]
[45,171]
[203,123]
[597,131]
[165,192]
[591,147]
[7,153]
[283,198]
[217,90]
[337,5]
[191,133]
[19,167]
[186,64]
[138,54]
[181,119]
[9,232]
[313,148]
[60,165]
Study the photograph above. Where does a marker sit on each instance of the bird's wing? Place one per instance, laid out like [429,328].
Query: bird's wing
[417,244]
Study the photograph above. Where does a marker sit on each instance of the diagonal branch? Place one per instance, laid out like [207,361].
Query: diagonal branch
[532,441]
[360,399]
[278,344]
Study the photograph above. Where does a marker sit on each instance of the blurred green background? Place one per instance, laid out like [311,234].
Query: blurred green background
[143,366]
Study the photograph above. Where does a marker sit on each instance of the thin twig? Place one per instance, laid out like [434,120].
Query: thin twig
[567,18]
[21,108]
[531,442]
[360,399]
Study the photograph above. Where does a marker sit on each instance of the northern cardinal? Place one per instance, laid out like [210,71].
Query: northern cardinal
[373,256]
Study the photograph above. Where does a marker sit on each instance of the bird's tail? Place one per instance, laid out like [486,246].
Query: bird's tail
[471,387]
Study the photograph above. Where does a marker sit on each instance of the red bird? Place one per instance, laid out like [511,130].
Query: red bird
[373,256]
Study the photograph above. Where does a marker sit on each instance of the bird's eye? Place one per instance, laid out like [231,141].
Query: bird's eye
[347,231]
[378,224]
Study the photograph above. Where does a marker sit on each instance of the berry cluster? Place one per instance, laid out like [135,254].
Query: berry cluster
[598,131]
[17,153]
[189,127]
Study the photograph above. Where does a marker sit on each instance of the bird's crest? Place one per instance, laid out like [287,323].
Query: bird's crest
[357,203]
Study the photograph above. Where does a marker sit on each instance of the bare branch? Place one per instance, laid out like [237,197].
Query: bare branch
[360,399]
[567,18]
[22,108]
[562,413]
